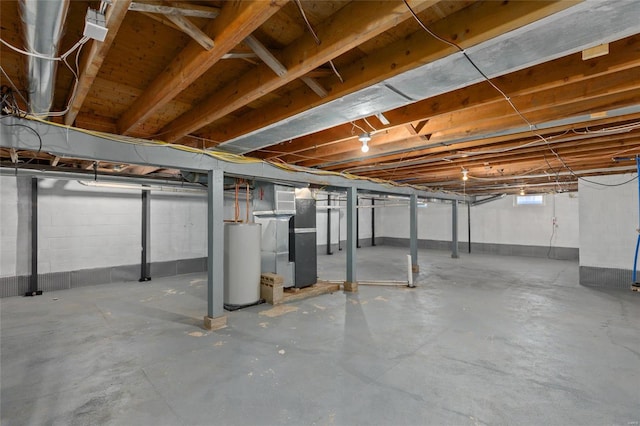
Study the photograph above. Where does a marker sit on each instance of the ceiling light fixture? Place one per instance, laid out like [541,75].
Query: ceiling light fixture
[365,138]
[521,191]
[465,174]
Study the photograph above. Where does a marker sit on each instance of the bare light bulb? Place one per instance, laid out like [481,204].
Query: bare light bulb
[465,174]
[365,147]
[522,191]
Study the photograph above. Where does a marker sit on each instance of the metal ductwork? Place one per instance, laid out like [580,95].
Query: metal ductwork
[43,23]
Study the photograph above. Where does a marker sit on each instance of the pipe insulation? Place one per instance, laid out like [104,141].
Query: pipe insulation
[43,23]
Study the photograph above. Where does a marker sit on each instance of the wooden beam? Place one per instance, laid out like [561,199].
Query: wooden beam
[480,143]
[471,26]
[54,161]
[177,9]
[339,35]
[560,74]
[267,57]
[237,20]
[162,20]
[14,155]
[192,31]
[92,61]
[314,85]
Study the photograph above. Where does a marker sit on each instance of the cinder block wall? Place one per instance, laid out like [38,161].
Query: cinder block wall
[91,235]
[608,223]
[496,227]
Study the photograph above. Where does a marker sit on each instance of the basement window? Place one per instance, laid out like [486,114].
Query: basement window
[529,200]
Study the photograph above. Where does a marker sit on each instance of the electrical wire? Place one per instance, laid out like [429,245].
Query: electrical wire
[63,58]
[316,38]
[532,127]
[369,124]
[234,158]
[35,132]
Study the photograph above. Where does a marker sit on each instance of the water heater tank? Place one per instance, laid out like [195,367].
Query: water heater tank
[241,263]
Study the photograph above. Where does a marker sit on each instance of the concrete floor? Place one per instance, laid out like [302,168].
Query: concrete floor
[482,340]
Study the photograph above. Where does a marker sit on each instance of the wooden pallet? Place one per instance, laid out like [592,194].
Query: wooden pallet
[292,294]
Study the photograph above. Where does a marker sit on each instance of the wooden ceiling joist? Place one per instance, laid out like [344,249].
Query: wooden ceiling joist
[338,36]
[176,9]
[192,31]
[236,21]
[470,26]
[552,75]
[91,62]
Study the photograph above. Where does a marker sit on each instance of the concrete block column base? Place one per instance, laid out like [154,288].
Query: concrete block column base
[215,323]
[350,287]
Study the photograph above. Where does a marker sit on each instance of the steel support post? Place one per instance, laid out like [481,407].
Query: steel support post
[352,237]
[469,226]
[454,229]
[329,251]
[357,223]
[215,318]
[33,280]
[145,270]
[413,232]
[373,222]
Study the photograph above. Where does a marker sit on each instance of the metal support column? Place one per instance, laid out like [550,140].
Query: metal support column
[469,225]
[373,222]
[352,215]
[329,251]
[145,270]
[215,318]
[454,229]
[33,281]
[357,223]
[413,232]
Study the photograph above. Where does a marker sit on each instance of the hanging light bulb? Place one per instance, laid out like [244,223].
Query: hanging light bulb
[465,174]
[365,138]
[521,191]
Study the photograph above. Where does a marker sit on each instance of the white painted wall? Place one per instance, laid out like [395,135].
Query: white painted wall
[83,227]
[178,226]
[15,225]
[608,222]
[497,222]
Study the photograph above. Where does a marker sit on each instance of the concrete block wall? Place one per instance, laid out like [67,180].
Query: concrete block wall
[92,235]
[15,225]
[178,226]
[84,227]
[608,224]
[497,227]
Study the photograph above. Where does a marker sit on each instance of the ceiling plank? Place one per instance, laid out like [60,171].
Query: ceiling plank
[91,63]
[339,35]
[192,30]
[236,21]
[469,26]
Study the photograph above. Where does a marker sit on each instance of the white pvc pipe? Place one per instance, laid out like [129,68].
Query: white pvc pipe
[409,271]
